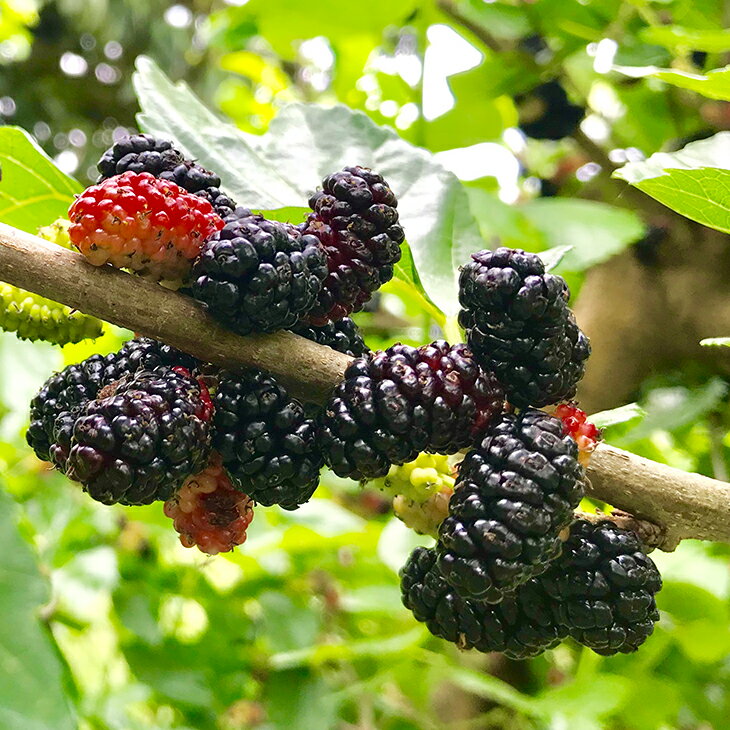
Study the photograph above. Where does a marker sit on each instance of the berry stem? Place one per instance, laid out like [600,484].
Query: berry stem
[684,505]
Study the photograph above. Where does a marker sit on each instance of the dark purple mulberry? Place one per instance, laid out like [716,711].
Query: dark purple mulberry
[394,404]
[515,492]
[356,220]
[519,326]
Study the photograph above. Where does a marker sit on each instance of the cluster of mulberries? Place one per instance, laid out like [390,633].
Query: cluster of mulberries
[600,592]
[164,217]
[150,423]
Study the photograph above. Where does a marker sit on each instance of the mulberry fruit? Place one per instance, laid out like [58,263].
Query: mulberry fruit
[222,204]
[586,434]
[515,492]
[396,403]
[145,153]
[355,218]
[257,275]
[521,626]
[209,512]
[139,442]
[519,326]
[267,443]
[342,335]
[604,586]
[33,317]
[138,222]
[64,392]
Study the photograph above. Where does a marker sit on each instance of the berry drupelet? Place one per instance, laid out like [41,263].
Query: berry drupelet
[515,492]
[604,586]
[521,626]
[139,222]
[267,443]
[141,438]
[257,275]
[519,326]
[355,218]
[586,434]
[396,403]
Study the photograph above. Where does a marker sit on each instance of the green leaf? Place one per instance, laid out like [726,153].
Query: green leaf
[714,84]
[33,191]
[684,40]
[32,693]
[590,697]
[695,181]
[298,699]
[595,231]
[306,142]
[715,342]
[502,224]
[622,414]
[493,689]
[669,409]
[554,256]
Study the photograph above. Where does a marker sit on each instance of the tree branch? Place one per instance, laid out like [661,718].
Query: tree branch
[682,505]
[308,370]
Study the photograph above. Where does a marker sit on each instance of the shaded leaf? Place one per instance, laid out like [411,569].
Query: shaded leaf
[32,693]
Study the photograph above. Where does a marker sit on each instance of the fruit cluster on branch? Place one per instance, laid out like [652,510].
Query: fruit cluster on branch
[152,423]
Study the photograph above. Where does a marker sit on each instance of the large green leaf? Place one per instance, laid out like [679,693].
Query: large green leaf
[594,231]
[306,142]
[33,191]
[714,84]
[695,181]
[681,39]
[32,680]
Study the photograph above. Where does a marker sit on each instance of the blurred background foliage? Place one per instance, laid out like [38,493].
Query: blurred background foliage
[108,623]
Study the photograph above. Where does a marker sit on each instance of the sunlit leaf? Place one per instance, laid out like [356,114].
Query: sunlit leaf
[715,342]
[695,181]
[682,39]
[615,416]
[33,191]
[714,84]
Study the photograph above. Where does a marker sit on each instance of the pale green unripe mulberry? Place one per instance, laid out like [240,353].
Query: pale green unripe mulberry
[33,317]
[420,479]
